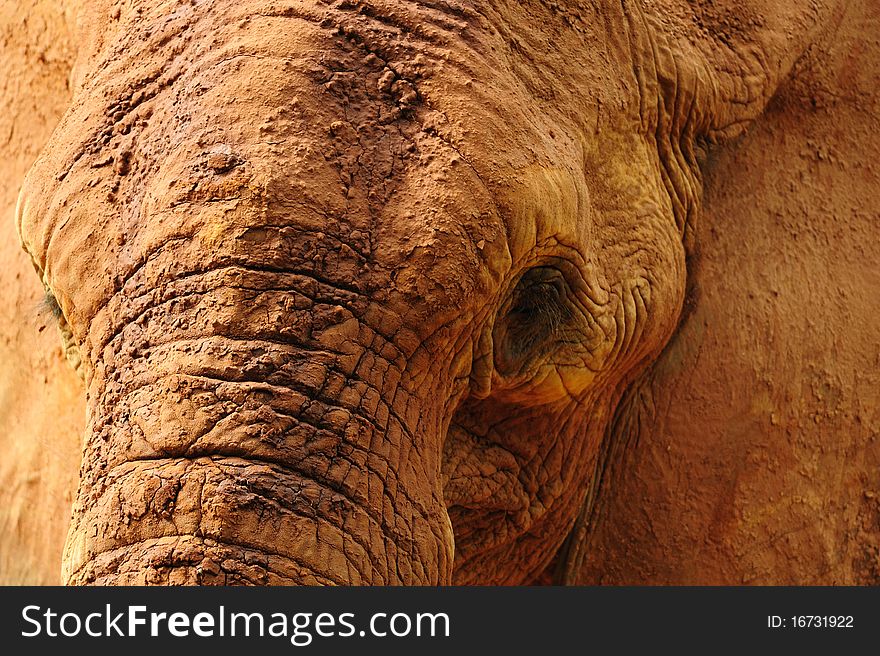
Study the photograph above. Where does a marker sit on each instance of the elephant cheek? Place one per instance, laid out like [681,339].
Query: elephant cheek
[233,458]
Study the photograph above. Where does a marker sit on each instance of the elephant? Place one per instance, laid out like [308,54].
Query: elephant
[431,292]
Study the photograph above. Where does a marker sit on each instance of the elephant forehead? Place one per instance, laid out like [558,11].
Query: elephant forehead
[240,173]
[391,144]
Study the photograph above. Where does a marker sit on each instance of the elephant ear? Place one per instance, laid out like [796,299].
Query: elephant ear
[738,53]
[665,504]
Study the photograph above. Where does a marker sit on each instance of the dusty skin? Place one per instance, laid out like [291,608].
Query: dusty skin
[398,292]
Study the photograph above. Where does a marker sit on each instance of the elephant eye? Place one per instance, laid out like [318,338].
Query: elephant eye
[533,319]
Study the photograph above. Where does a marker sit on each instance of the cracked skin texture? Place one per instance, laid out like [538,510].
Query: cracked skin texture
[440,292]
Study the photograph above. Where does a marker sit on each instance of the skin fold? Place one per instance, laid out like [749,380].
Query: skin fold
[362,292]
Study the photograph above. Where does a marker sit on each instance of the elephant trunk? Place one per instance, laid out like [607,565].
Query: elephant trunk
[267,397]
[240,431]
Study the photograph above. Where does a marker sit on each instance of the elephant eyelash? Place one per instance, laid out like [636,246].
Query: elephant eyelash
[540,297]
[540,306]
[49,305]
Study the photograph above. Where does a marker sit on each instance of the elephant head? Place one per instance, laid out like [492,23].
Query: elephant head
[354,287]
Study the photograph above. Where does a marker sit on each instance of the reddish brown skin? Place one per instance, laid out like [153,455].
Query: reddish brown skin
[378,292]
[750,452]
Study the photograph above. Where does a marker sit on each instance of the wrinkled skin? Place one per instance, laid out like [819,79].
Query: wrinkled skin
[748,452]
[355,289]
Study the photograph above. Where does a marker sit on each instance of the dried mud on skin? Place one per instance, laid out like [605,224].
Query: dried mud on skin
[439,292]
